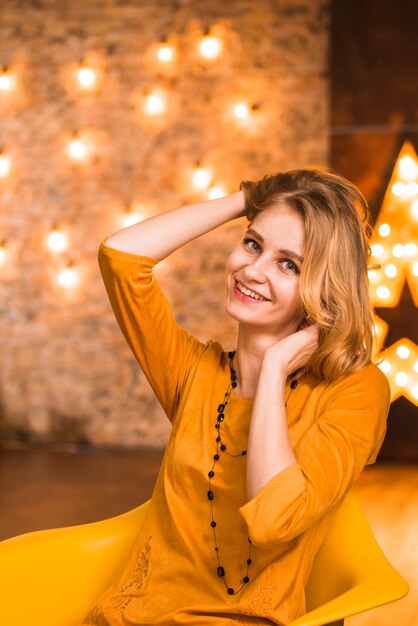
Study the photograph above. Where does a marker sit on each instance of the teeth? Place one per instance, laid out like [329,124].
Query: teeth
[248,292]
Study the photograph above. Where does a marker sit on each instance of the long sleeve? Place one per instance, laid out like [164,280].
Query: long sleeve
[346,435]
[165,351]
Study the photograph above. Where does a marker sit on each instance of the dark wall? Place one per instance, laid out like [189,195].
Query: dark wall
[374,95]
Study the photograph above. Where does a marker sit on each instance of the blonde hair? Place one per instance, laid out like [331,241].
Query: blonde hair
[334,285]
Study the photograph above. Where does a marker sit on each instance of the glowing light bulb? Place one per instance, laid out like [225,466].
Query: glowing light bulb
[154,104]
[415,269]
[130,218]
[401,379]
[398,251]
[410,249]
[408,168]
[201,178]
[57,241]
[390,270]
[385,366]
[383,292]
[68,277]
[7,81]
[216,192]
[241,111]
[398,189]
[414,209]
[372,274]
[415,392]
[210,47]
[384,230]
[87,77]
[77,149]
[411,190]
[5,165]
[3,254]
[377,249]
[165,53]
[403,351]
[416,367]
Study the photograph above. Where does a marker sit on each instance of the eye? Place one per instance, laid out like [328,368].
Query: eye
[290,265]
[252,244]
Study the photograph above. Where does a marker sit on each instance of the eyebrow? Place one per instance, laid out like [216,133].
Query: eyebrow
[290,253]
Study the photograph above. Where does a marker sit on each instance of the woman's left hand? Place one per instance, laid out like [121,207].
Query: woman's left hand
[294,351]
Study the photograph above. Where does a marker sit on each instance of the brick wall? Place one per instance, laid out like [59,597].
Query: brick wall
[66,373]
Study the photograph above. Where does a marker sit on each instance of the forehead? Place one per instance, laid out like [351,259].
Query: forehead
[279,225]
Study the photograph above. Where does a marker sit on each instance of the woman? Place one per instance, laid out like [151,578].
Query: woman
[267,438]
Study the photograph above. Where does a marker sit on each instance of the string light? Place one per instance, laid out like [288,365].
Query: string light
[68,277]
[401,379]
[165,53]
[57,241]
[5,165]
[377,249]
[77,149]
[202,177]
[3,253]
[398,189]
[87,77]
[216,192]
[210,47]
[383,292]
[410,249]
[154,103]
[241,111]
[403,351]
[7,80]
[398,251]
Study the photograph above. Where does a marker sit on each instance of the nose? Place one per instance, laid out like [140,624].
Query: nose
[256,270]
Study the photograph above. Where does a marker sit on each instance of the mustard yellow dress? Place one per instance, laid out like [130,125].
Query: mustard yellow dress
[335,429]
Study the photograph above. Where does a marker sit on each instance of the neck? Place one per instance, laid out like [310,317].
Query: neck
[248,359]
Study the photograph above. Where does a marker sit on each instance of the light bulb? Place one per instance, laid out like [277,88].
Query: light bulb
[130,218]
[401,379]
[398,251]
[201,178]
[154,104]
[377,249]
[385,366]
[5,165]
[372,274]
[7,81]
[57,241]
[241,111]
[411,190]
[398,189]
[77,149]
[403,351]
[384,230]
[408,168]
[210,47]
[165,53]
[68,277]
[410,249]
[383,292]
[216,192]
[87,77]
[390,270]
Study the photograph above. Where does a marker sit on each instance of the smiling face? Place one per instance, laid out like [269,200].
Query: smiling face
[262,273]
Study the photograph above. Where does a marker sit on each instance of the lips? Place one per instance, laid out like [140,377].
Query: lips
[249,295]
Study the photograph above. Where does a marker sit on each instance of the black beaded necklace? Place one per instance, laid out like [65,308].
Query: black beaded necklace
[222,448]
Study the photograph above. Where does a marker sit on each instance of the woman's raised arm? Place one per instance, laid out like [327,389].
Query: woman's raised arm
[159,236]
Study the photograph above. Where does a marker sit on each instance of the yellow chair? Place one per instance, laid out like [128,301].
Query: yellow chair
[53,577]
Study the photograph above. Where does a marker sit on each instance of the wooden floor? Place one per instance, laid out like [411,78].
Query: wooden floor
[41,488]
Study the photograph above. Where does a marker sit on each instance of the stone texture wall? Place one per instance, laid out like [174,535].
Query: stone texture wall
[66,374]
